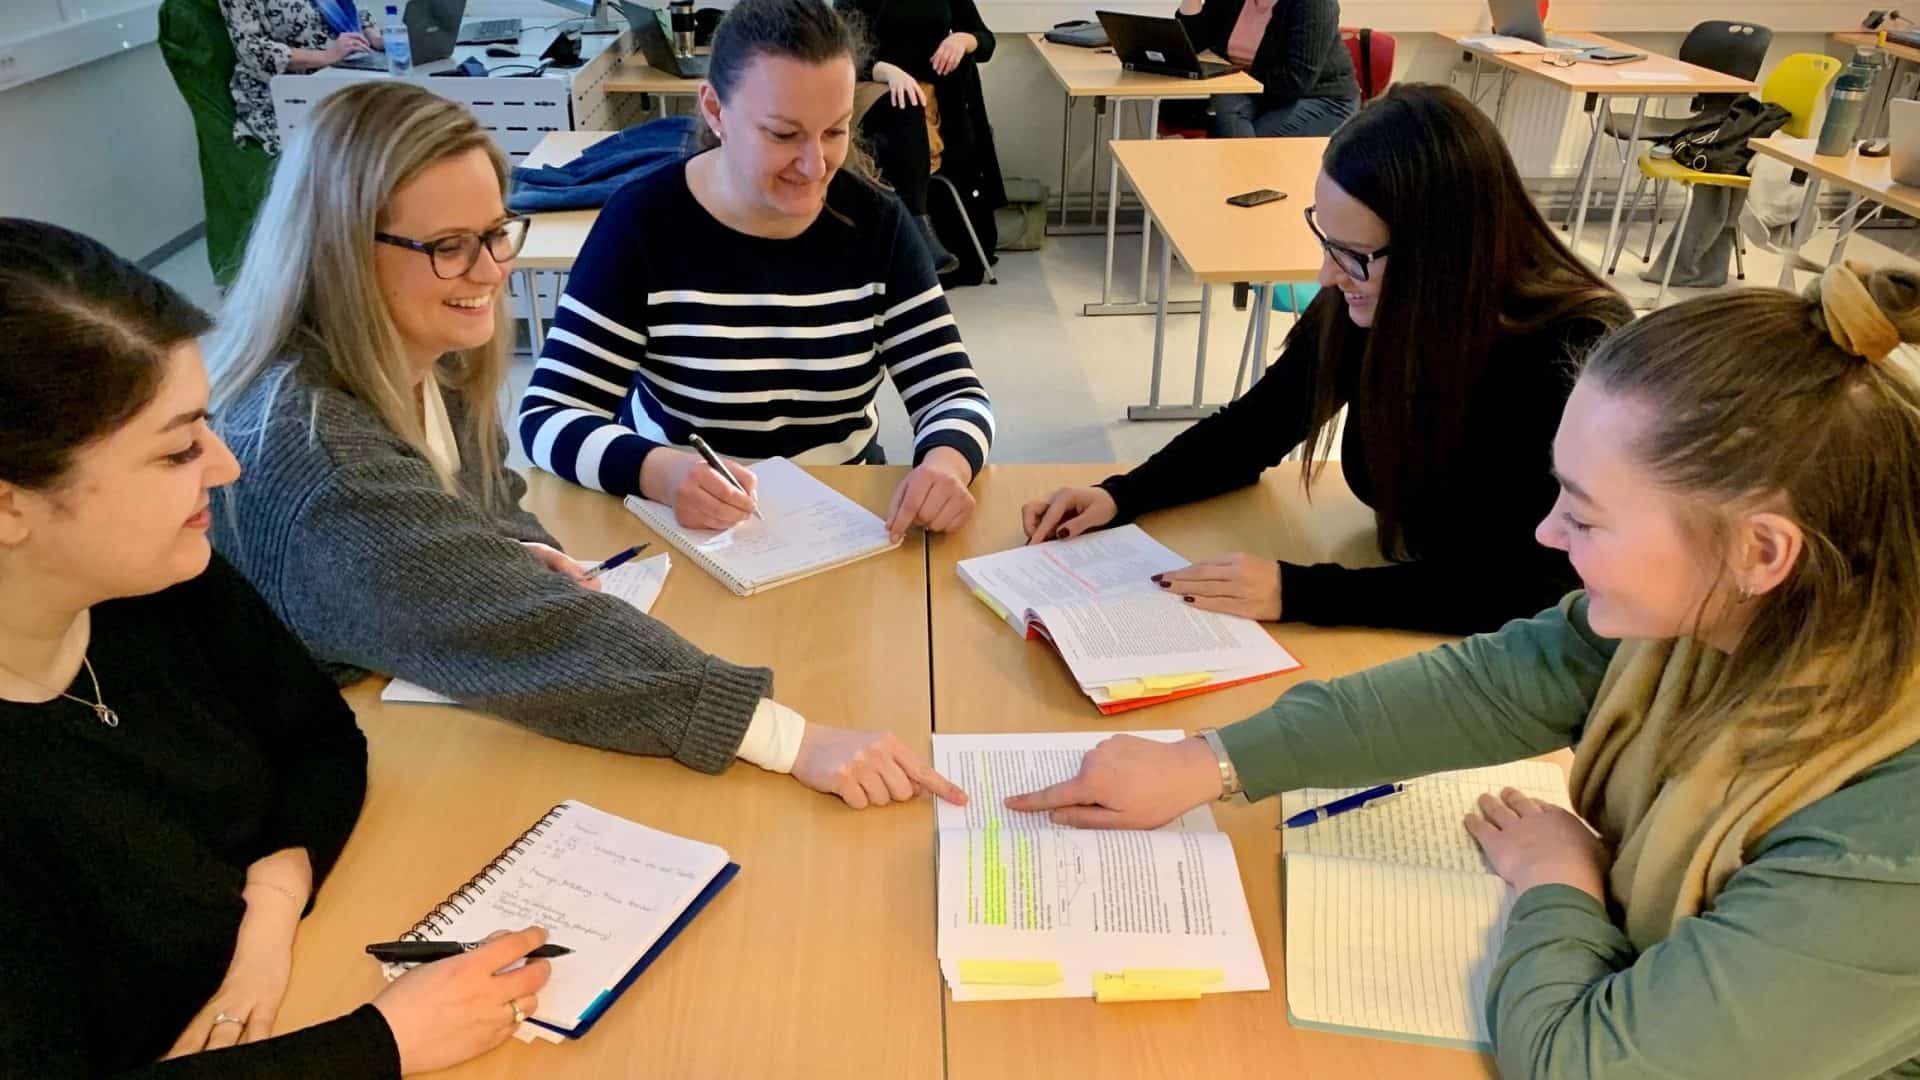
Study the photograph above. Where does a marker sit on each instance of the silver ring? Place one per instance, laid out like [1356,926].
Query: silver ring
[223,1018]
[518,1016]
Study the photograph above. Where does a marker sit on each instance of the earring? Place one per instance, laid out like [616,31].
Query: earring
[1746,594]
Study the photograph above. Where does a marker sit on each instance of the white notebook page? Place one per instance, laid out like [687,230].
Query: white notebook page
[1421,826]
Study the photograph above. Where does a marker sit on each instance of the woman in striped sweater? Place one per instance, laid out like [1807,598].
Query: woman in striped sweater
[758,295]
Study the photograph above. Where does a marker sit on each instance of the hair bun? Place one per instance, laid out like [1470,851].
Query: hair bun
[1867,312]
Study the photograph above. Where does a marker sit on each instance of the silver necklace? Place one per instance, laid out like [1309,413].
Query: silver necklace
[99,703]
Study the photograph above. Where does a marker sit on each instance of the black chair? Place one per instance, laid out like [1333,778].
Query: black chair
[1731,48]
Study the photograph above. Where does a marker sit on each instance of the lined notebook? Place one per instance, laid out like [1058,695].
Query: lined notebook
[1393,916]
[612,890]
[1128,642]
[808,528]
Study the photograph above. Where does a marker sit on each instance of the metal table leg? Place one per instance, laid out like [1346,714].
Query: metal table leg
[1500,103]
[1602,109]
[1140,305]
[1620,186]
[1066,150]
[1802,232]
[536,332]
[1153,132]
[1113,206]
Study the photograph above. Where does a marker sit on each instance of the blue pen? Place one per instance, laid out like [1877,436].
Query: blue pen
[1340,806]
[613,561]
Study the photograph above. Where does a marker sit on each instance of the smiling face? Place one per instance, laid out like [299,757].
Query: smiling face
[1348,222]
[784,130]
[436,316]
[130,515]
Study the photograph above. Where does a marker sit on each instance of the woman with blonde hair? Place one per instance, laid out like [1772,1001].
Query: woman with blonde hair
[1740,494]
[358,372]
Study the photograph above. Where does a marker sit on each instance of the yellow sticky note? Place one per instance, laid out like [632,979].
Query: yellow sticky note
[1010,972]
[1113,986]
[1164,683]
[1126,691]
[993,605]
[1199,977]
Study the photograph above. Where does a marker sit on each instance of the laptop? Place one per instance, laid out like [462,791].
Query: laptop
[1158,45]
[491,32]
[656,46]
[1903,141]
[433,26]
[1521,19]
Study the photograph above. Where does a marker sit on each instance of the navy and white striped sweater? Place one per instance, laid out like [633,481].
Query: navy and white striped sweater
[673,324]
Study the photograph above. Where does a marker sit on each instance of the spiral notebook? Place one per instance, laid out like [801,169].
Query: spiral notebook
[804,528]
[614,891]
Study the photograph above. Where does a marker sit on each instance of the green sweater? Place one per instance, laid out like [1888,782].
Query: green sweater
[1806,965]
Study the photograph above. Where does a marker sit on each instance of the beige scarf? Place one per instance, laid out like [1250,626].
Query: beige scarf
[1676,843]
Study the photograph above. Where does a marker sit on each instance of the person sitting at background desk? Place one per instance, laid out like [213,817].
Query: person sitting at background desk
[358,374]
[1293,48]
[1740,492]
[1450,339]
[180,777]
[758,295]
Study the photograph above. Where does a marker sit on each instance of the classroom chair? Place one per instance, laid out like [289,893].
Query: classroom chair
[960,205]
[1731,48]
[1796,85]
[1372,52]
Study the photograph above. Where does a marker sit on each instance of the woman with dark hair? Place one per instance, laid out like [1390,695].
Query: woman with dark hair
[1293,47]
[1451,338]
[922,110]
[182,775]
[758,295]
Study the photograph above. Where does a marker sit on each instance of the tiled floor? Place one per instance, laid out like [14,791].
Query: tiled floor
[1061,381]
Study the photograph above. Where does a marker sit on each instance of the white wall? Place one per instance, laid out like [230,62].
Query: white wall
[107,149]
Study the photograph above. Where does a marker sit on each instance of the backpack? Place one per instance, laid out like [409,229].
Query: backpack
[1718,144]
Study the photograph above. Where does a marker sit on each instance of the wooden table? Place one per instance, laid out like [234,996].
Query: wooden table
[1184,185]
[1098,74]
[633,75]
[985,679]
[554,239]
[1865,179]
[1655,76]
[819,957]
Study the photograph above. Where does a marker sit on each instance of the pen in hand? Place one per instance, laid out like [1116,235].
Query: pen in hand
[614,561]
[713,460]
[421,952]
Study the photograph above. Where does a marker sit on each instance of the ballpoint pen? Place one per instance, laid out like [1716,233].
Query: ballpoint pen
[614,561]
[1341,805]
[706,453]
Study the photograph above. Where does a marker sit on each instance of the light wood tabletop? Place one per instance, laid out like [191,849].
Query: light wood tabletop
[1185,183]
[986,679]
[1097,73]
[1866,176]
[820,955]
[1859,38]
[1655,75]
[554,239]
[633,75]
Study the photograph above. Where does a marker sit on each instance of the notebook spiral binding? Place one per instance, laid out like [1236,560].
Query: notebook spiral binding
[670,530]
[441,917]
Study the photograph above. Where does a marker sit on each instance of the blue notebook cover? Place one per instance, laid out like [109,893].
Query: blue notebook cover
[607,997]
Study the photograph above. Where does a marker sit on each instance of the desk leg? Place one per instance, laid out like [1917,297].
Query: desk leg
[1262,310]
[1153,132]
[1159,315]
[1100,105]
[1602,109]
[1200,352]
[1473,88]
[1066,150]
[1113,208]
[1850,220]
[1500,103]
[1620,186]
[1140,305]
[536,333]
[1802,232]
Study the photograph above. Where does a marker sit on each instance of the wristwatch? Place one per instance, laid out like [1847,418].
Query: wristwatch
[1229,776]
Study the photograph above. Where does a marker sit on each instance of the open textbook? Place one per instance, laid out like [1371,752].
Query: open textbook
[1393,916]
[1128,642]
[1029,909]
[804,528]
[638,583]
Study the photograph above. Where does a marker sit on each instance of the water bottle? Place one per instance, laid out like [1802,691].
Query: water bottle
[1848,104]
[399,48]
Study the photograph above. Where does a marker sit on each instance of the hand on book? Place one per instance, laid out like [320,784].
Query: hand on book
[1236,584]
[1067,513]
[1128,782]
[1534,843]
[561,563]
[451,1011]
[701,498]
[867,768]
[934,495]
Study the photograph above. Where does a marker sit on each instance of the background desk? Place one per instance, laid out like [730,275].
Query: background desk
[1865,179]
[987,680]
[820,954]
[1098,74]
[554,239]
[1184,185]
[1897,54]
[1655,76]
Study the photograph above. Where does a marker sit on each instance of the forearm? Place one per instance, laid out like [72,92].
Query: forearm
[302,60]
[1441,595]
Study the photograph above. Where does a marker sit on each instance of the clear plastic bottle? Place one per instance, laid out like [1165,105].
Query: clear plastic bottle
[399,49]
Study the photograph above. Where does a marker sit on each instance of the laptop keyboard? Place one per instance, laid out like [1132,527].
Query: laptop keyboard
[489,31]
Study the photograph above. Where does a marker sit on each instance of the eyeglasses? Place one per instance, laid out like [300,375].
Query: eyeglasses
[1356,264]
[453,256]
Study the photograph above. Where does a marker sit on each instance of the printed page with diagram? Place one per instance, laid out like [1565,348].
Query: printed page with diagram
[1015,888]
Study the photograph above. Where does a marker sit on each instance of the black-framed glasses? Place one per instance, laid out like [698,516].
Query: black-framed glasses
[452,256]
[1356,264]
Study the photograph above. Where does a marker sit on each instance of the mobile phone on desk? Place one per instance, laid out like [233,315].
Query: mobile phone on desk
[1256,197]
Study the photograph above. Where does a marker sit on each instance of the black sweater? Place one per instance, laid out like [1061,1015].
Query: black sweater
[906,32]
[1301,54]
[1483,567]
[126,848]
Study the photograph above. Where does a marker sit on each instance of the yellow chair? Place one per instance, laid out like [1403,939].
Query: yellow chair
[1797,86]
